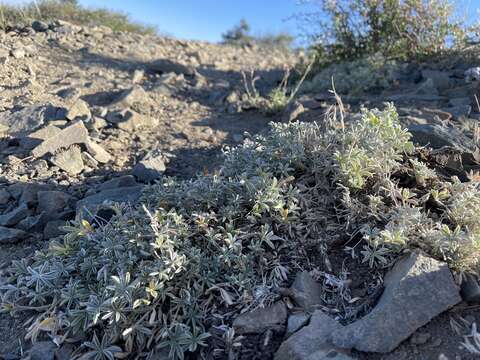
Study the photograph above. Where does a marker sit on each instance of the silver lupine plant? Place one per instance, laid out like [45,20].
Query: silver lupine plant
[158,276]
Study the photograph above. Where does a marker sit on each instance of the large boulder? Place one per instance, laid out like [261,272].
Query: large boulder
[417,289]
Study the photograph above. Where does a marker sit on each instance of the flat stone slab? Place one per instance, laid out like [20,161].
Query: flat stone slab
[417,289]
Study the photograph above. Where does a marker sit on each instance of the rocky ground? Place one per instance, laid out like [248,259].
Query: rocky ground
[89,116]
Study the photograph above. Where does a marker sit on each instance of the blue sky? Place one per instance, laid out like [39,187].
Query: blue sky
[208,19]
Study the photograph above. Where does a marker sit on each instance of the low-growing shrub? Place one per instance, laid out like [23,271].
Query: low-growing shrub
[194,253]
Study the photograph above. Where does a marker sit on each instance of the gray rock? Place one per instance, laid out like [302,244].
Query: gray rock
[292,112]
[69,94]
[35,138]
[437,136]
[151,167]
[296,322]
[4,197]
[76,133]
[417,289]
[18,53]
[69,160]
[79,110]
[329,354]
[26,193]
[470,289]
[90,204]
[64,352]
[53,229]
[98,152]
[26,120]
[459,111]
[440,79]
[460,101]
[11,236]
[166,66]
[44,350]
[261,319]
[54,203]
[33,223]
[137,76]
[130,97]
[306,292]
[15,216]
[121,181]
[312,339]
[130,120]
[39,26]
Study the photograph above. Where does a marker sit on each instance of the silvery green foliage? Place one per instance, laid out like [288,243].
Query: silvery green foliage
[355,77]
[194,252]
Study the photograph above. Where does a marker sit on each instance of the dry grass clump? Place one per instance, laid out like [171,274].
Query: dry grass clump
[195,253]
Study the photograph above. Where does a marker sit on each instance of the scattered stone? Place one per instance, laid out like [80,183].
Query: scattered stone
[441,79]
[138,75]
[11,236]
[18,53]
[98,123]
[76,133]
[420,338]
[53,229]
[97,152]
[53,203]
[15,216]
[470,288]
[417,289]
[437,136]
[292,112]
[261,319]
[129,194]
[122,181]
[35,138]
[33,223]
[43,350]
[296,322]
[306,292]
[26,193]
[26,120]
[167,66]
[39,26]
[79,110]
[4,197]
[69,94]
[151,167]
[130,97]
[69,160]
[130,120]
[312,339]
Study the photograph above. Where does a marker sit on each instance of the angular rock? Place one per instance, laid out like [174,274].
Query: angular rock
[296,322]
[18,53]
[437,136]
[470,289]
[39,26]
[306,292]
[69,160]
[261,319]
[15,216]
[127,98]
[151,167]
[90,204]
[43,350]
[167,66]
[79,109]
[121,181]
[329,354]
[33,223]
[76,133]
[11,236]
[4,197]
[53,203]
[440,79]
[97,152]
[26,193]
[26,120]
[53,229]
[35,138]
[312,339]
[130,120]
[417,289]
